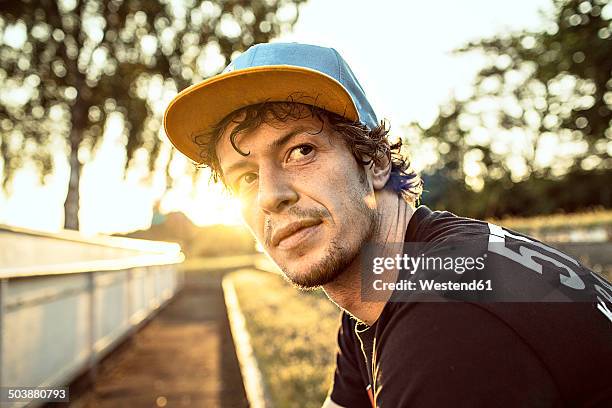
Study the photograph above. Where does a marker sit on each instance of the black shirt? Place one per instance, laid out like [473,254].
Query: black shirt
[534,353]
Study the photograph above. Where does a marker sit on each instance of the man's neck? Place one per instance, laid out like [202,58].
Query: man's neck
[345,291]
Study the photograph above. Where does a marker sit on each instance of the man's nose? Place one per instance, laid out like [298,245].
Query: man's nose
[275,192]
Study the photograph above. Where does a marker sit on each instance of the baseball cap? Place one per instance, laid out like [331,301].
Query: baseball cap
[272,72]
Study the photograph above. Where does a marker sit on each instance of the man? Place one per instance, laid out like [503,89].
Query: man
[512,322]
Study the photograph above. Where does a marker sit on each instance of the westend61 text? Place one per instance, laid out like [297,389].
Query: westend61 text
[432,285]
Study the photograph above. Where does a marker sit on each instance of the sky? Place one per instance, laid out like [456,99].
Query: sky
[400,50]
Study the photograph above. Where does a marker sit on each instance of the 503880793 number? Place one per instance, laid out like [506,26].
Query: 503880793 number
[41,394]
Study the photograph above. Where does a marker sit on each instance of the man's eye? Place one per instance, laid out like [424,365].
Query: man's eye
[249,178]
[245,181]
[300,152]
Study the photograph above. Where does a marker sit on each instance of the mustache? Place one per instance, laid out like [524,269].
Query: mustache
[298,213]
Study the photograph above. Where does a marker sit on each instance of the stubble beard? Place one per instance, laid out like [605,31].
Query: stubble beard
[337,257]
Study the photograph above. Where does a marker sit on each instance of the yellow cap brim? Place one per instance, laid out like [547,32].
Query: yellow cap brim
[197,109]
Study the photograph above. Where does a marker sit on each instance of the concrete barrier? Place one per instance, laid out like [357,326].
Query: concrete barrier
[252,377]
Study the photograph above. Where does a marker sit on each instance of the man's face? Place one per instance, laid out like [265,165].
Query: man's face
[303,195]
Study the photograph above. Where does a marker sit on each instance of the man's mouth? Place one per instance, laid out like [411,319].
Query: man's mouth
[292,234]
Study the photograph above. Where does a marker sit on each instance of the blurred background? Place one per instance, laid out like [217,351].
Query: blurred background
[504,107]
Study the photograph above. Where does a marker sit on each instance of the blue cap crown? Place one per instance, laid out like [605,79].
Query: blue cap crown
[324,60]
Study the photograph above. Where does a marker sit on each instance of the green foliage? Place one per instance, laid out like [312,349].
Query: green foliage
[207,241]
[293,335]
[539,115]
[575,191]
[66,66]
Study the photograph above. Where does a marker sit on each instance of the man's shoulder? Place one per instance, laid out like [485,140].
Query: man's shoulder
[430,226]
[511,266]
[427,225]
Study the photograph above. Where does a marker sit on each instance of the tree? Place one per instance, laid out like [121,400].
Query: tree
[539,112]
[66,66]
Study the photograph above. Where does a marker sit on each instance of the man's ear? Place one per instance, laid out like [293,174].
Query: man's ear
[380,172]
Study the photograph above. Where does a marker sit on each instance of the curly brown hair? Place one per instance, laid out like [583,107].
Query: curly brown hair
[373,144]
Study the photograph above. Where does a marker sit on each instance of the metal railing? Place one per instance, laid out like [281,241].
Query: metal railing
[67,300]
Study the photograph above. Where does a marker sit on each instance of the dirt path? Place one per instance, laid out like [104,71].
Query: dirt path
[183,357]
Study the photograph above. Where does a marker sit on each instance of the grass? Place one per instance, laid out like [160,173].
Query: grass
[293,335]
[555,221]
